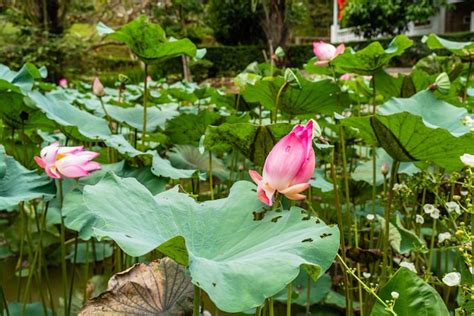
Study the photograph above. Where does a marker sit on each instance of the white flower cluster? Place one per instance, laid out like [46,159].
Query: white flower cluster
[452,206]
[442,237]
[452,279]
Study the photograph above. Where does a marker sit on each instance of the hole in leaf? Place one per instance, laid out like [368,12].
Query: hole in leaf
[318,221]
[324,235]
[276,218]
[128,236]
[307,240]
[258,216]
[214,284]
[254,190]
[306,218]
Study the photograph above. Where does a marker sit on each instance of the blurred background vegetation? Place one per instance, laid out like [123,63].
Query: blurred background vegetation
[61,34]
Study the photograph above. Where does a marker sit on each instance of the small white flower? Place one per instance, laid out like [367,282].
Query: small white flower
[370,217]
[452,206]
[442,237]
[367,275]
[410,266]
[464,193]
[468,120]
[452,279]
[468,160]
[435,214]
[395,295]
[419,219]
[429,208]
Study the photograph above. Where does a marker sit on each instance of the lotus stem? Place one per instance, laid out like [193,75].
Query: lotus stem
[271,310]
[63,248]
[145,99]
[196,300]
[71,287]
[388,213]
[211,183]
[308,295]
[277,101]
[468,78]
[288,300]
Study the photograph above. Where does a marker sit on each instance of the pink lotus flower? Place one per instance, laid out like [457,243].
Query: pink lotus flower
[63,82]
[288,167]
[69,162]
[326,52]
[346,77]
[98,88]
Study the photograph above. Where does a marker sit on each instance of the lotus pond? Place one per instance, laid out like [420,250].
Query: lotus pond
[333,189]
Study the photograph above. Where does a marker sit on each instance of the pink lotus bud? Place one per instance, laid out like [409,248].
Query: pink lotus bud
[63,82]
[346,77]
[69,162]
[326,52]
[384,168]
[149,78]
[98,88]
[288,167]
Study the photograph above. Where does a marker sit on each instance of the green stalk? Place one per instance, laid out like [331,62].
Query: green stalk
[308,295]
[86,273]
[271,311]
[71,287]
[346,181]
[277,101]
[196,300]
[145,99]
[387,215]
[19,264]
[430,258]
[63,248]
[374,152]
[342,241]
[4,302]
[258,311]
[288,300]
[468,78]
[211,184]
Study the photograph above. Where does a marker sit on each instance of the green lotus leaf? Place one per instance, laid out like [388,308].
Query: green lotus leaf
[406,137]
[435,112]
[323,96]
[416,297]
[163,168]
[148,40]
[18,184]
[458,48]
[369,60]
[225,249]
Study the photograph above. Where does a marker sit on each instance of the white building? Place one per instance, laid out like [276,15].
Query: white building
[459,19]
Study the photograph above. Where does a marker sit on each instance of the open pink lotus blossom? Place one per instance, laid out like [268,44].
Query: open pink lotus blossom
[326,52]
[63,83]
[288,167]
[98,88]
[69,162]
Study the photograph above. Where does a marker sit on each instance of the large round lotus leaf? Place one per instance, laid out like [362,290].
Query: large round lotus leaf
[237,260]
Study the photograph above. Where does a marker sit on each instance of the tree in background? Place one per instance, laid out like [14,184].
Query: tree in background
[235,23]
[372,18]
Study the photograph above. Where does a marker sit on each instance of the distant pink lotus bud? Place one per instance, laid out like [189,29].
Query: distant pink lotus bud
[346,77]
[326,52]
[288,167]
[63,82]
[368,78]
[385,168]
[149,78]
[98,88]
[68,162]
